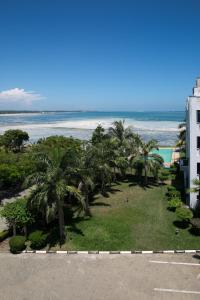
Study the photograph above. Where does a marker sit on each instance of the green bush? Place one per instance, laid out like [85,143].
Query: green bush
[174,169]
[38,239]
[173,194]
[174,203]
[3,235]
[171,188]
[17,244]
[184,213]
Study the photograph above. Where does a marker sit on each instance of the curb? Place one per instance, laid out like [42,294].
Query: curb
[112,252]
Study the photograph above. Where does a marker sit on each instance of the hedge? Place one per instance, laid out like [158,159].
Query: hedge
[17,244]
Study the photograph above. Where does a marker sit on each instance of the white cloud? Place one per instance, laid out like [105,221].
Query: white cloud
[19,95]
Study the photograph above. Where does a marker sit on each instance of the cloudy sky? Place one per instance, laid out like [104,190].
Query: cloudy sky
[103,54]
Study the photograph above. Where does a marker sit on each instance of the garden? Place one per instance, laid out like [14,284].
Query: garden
[109,193]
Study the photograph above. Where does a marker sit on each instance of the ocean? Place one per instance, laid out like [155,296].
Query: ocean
[162,126]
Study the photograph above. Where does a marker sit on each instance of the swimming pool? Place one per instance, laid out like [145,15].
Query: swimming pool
[166,154]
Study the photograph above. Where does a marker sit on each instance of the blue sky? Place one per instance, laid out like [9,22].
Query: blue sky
[98,55]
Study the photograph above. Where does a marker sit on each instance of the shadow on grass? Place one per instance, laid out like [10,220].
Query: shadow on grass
[53,237]
[139,181]
[109,191]
[99,204]
[172,209]
[181,224]
[76,230]
[194,231]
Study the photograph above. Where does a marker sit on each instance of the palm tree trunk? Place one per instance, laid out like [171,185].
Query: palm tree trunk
[145,171]
[61,222]
[114,171]
[87,207]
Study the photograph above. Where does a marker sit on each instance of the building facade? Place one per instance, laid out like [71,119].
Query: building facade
[192,167]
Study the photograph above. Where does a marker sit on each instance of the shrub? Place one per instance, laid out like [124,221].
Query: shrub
[196,224]
[17,244]
[17,214]
[3,235]
[38,239]
[163,175]
[174,203]
[173,194]
[184,213]
[171,188]
[174,169]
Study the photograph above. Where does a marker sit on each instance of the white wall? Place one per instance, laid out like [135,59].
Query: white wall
[193,131]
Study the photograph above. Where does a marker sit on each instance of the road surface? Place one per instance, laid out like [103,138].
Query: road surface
[103,276]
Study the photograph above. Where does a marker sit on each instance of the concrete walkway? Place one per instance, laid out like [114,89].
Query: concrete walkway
[97,277]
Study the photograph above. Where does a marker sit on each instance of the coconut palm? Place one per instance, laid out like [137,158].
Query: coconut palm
[148,160]
[85,177]
[119,131]
[182,135]
[100,165]
[86,187]
[53,186]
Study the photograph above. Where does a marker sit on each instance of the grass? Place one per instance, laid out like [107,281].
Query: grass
[130,218]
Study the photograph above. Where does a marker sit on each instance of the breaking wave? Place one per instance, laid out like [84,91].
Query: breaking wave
[168,126]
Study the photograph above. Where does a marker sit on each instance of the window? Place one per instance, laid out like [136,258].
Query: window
[198,142]
[198,116]
[198,168]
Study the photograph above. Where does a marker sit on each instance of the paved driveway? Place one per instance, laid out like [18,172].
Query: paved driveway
[94,277]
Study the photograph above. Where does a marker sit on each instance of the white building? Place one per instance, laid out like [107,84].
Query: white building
[192,167]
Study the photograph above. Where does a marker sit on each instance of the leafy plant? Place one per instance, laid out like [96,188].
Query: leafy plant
[173,194]
[17,244]
[174,203]
[184,213]
[163,175]
[14,139]
[171,188]
[17,214]
[38,239]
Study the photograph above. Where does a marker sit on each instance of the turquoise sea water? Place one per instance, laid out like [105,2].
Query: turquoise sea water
[162,126]
[165,153]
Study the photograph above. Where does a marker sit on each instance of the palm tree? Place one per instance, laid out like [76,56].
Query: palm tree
[119,131]
[86,187]
[99,157]
[182,135]
[127,145]
[53,186]
[150,161]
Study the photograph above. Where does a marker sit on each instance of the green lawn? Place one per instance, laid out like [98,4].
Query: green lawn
[142,223]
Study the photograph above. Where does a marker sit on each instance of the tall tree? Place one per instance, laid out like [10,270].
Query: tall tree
[98,135]
[119,131]
[14,139]
[54,185]
[149,161]
[17,215]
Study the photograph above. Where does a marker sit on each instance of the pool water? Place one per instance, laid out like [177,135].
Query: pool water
[165,153]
